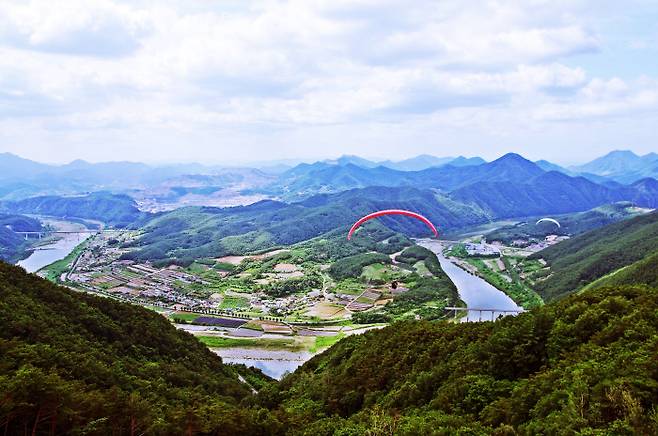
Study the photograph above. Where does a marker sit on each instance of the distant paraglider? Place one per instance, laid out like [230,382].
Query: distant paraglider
[392,212]
[548,220]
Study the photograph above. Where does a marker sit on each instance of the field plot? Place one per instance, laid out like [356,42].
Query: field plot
[326,310]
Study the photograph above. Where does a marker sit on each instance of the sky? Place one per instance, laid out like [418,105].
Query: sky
[237,81]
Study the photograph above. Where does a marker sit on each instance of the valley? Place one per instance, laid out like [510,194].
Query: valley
[275,309]
[273,287]
[321,218]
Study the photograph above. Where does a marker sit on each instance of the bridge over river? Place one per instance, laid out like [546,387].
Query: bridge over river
[65,232]
[483,300]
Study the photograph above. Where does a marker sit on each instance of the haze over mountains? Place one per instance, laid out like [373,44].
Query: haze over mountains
[312,199]
[622,166]
[22,178]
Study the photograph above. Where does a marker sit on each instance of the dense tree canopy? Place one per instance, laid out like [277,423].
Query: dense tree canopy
[70,361]
[590,256]
[587,365]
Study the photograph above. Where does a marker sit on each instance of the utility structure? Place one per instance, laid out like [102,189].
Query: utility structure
[481,310]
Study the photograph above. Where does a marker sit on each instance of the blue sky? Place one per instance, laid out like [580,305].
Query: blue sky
[239,81]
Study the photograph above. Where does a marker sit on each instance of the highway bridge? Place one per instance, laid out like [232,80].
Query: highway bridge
[63,232]
[486,311]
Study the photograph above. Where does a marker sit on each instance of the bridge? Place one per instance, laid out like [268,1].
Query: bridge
[63,232]
[485,310]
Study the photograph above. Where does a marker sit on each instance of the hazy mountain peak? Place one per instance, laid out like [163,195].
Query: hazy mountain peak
[621,153]
[462,161]
[514,158]
[623,166]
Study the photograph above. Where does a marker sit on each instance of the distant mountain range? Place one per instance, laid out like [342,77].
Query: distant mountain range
[622,166]
[323,197]
[22,178]
[508,186]
[417,163]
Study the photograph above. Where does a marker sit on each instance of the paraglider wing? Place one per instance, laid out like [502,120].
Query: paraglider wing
[392,212]
[550,220]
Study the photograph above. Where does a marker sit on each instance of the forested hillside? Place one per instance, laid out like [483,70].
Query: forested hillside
[584,365]
[570,224]
[73,363]
[70,361]
[643,271]
[579,261]
[13,245]
[212,232]
[115,210]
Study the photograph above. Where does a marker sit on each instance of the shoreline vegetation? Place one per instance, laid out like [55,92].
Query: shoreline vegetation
[509,283]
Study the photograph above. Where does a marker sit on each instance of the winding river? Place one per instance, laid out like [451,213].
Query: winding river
[46,254]
[474,291]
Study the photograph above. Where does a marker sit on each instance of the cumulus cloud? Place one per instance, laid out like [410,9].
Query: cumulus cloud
[208,73]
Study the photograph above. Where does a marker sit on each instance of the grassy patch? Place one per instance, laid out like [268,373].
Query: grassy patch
[233,302]
[223,342]
[516,290]
[322,342]
[187,317]
[349,286]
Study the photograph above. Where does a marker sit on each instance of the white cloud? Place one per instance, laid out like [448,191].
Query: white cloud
[129,69]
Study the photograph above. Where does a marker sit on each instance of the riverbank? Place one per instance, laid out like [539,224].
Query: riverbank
[473,290]
[54,248]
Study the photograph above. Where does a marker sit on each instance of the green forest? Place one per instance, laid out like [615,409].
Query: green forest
[75,363]
[12,244]
[581,260]
[586,364]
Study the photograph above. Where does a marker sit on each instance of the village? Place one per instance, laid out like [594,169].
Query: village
[225,287]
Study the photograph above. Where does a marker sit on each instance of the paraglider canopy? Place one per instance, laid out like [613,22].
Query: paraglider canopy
[549,220]
[392,212]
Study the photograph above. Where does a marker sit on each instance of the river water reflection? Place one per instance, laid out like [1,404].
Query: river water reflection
[274,363]
[47,254]
[473,290]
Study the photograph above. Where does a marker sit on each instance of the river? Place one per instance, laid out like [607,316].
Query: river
[274,363]
[46,254]
[474,291]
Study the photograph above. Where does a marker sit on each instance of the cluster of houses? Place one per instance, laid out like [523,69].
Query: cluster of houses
[101,270]
[482,250]
[259,302]
[135,280]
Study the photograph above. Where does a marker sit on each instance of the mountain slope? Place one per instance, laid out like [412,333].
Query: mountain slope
[646,192]
[581,260]
[71,361]
[623,166]
[13,245]
[552,191]
[12,167]
[644,271]
[584,365]
[212,232]
[571,224]
[116,210]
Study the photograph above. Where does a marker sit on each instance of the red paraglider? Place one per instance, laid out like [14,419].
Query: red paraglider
[392,212]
